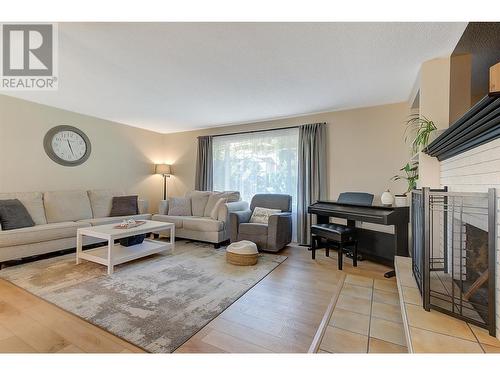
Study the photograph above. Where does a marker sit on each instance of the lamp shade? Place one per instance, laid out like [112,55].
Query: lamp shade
[163,169]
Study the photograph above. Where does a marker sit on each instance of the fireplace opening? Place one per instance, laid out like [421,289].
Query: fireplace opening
[454,253]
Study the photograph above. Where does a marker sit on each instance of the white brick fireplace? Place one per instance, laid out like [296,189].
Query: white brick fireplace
[477,170]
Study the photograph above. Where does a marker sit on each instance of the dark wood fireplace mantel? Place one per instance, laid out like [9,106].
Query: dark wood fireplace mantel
[480,125]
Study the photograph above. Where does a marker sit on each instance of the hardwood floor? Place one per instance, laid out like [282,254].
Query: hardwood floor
[283,312]
[280,314]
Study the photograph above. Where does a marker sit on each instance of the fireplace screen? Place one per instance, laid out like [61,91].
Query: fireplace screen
[453,253]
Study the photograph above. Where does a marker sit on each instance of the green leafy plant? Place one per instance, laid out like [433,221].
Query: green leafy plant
[422,128]
[410,175]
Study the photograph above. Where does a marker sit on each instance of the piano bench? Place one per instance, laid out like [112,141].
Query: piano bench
[339,235]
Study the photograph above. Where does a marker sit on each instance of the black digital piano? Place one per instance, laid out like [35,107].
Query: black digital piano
[374,245]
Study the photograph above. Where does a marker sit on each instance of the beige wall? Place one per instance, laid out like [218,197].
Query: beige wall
[365,148]
[122,156]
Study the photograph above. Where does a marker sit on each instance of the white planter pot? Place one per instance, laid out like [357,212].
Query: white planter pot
[401,201]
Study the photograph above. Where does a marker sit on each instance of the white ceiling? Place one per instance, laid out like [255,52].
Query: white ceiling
[182,76]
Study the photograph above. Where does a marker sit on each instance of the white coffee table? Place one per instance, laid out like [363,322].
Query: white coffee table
[113,254]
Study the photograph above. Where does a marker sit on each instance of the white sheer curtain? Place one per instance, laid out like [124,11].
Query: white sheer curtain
[261,162]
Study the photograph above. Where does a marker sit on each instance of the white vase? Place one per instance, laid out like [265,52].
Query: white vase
[401,201]
[387,198]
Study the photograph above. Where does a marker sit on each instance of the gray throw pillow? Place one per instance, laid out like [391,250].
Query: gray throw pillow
[13,215]
[124,206]
[179,206]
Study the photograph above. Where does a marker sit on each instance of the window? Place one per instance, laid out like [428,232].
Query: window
[261,162]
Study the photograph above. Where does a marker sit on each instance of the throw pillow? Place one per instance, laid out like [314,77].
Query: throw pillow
[13,215]
[124,206]
[212,201]
[179,206]
[199,201]
[261,215]
[215,211]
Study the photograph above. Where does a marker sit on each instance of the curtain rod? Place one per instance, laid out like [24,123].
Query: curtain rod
[257,131]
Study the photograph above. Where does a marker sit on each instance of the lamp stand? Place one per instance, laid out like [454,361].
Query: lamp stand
[165,191]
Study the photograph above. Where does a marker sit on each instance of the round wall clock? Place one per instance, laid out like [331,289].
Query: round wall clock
[67,145]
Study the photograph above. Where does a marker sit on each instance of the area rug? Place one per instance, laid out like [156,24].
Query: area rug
[156,303]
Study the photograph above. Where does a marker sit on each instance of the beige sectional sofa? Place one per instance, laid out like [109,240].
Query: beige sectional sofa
[200,226]
[57,216]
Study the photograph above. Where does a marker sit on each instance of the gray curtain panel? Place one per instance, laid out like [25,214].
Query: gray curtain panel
[204,164]
[312,174]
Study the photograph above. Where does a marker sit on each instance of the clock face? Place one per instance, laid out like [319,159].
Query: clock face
[67,145]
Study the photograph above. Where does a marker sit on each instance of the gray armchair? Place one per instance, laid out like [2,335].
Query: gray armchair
[273,236]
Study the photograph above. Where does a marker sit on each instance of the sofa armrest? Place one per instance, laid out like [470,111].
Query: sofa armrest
[235,219]
[226,209]
[279,231]
[163,207]
[143,206]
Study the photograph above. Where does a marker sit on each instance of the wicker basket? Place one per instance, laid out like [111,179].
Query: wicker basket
[241,259]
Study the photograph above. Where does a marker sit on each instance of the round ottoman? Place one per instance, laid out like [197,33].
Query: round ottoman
[242,253]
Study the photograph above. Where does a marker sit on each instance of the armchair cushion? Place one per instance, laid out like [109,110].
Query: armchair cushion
[281,202]
[254,229]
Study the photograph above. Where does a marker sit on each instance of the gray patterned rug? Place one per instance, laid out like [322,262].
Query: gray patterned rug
[156,303]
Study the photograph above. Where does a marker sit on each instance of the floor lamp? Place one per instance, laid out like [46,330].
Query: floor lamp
[166,171]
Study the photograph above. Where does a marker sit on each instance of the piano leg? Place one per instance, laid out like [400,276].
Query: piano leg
[355,255]
[339,256]
[401,244]
[390,274]
[313,247]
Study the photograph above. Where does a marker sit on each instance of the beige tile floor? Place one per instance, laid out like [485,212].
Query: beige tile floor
[366,318]
[432,331]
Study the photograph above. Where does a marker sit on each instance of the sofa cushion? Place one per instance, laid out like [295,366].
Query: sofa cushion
[213,198]
[13,215]
[125,205]
[33,203]
[177,220]
[199,201]
[66,206]
[101,200]
[179,207]
[202,224]
[114,219]
[40,233]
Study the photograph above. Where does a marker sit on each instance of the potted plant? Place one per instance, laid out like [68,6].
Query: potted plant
[423,128]
[411,176]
